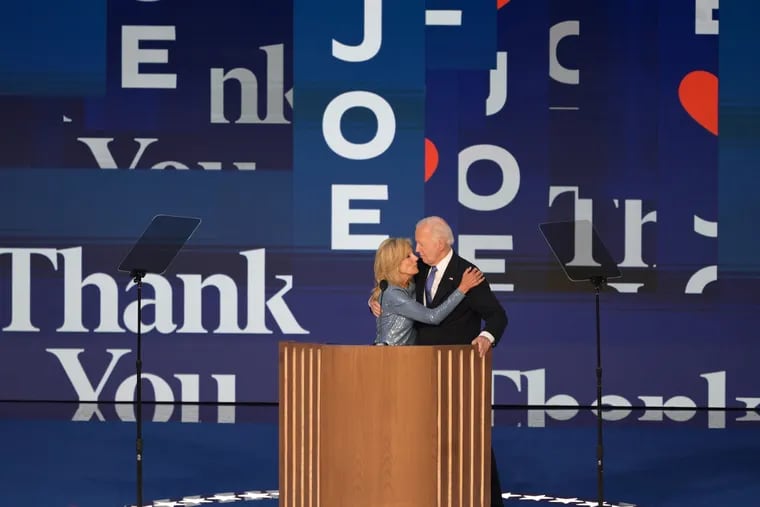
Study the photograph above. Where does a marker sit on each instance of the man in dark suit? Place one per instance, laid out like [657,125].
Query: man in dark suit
[434,241]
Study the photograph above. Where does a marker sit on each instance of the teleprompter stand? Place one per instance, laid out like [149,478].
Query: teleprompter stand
[584,258]
[153,252]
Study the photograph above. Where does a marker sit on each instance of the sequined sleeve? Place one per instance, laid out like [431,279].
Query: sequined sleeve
[400,302]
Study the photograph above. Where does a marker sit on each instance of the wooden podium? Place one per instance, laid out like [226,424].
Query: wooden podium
[369,426]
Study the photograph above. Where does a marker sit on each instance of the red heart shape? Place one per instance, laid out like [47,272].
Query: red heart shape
[501,3]
[698,93]
[431,159]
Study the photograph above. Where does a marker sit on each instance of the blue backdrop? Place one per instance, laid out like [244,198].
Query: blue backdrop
[303,133]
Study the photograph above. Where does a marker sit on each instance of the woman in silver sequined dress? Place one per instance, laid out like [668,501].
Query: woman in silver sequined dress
[396,264]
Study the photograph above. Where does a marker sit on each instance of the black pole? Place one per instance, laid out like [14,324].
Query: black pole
[598,282]
[138,275]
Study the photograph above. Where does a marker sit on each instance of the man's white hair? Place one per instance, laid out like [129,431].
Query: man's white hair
[438,228]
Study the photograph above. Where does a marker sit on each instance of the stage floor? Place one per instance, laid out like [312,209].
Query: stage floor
[676,459]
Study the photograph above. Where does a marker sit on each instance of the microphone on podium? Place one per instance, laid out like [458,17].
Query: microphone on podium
[383,285]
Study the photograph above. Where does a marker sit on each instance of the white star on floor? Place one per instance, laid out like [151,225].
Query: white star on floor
[225,497]
[565,501]
[536,498]
[166,503]
[193,501]
[255,495]
[508,495]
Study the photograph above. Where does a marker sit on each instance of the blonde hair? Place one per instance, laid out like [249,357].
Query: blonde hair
[388,259]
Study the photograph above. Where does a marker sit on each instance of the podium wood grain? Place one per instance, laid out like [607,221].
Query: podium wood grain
[384,426]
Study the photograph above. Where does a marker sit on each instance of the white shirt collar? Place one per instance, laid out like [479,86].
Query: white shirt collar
[444,263]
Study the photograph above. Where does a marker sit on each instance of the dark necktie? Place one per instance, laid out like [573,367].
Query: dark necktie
[429,285]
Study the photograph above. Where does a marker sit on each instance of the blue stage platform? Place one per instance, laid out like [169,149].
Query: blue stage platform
[52,461]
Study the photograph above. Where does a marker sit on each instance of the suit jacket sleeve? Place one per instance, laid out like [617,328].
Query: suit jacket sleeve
[483,302]
[400,303]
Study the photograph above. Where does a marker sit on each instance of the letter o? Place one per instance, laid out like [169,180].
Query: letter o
[386,125]
[510,183]
[685,408]
[621,411]
[126,393]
